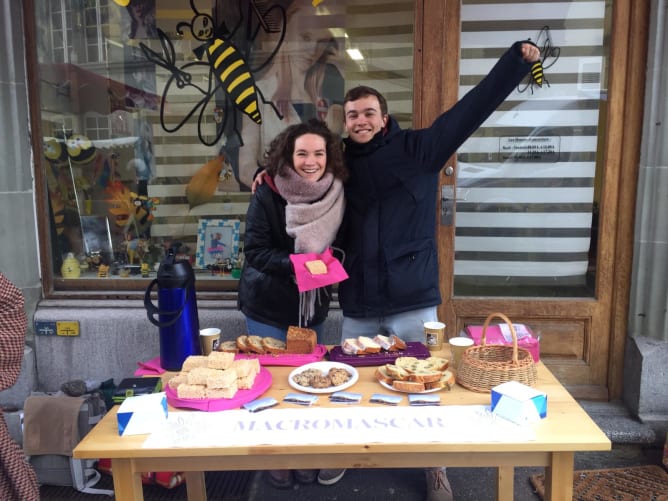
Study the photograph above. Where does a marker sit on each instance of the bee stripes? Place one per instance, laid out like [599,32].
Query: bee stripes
[234,74]
[537,73]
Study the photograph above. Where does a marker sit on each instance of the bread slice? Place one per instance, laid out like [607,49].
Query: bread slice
[396,372]
[397,342]
[425,376]
[384,342]
[351,346]
[273,345]
[242,344]
[229,346]
[408,386]
[405,361]
[381,374]
[316,267]
[447,381]
[439,363]
[370,346]
[414,366]
[254,344]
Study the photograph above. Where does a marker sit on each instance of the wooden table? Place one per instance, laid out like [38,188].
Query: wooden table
[566,429]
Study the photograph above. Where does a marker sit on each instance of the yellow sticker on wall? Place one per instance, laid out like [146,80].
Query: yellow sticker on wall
[70,328]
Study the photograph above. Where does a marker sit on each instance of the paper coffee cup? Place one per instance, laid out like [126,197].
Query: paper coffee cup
[209,339]
[434,332]
[458,346]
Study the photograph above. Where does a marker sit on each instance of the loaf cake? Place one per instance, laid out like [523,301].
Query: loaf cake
[300,340]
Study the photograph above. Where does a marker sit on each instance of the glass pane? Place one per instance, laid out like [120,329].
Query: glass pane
[148,147]
[527,179]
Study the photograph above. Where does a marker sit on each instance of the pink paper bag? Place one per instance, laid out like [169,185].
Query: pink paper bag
[500,334]
[306,281]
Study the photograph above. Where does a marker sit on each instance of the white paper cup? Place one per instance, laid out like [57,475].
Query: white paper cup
[458,346]
[434,332]
[209,339]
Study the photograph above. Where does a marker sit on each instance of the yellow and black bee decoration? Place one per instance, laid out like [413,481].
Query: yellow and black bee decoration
[549,55]
[231,86]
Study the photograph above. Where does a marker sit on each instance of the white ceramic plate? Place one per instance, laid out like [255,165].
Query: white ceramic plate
[390,387]
[324,368]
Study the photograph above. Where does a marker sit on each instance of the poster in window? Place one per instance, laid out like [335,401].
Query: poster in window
[217,240]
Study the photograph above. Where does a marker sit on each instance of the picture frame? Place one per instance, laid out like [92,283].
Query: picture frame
[217,240]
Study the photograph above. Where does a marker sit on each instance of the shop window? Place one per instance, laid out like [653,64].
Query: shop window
[143,146]
[527,197]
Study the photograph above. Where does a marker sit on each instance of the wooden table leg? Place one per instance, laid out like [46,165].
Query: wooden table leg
[127,485]
[559,477]
[195,485]
[505,483]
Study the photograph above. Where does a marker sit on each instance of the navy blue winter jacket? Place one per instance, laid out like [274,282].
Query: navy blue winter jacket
[389,238]
[267,289]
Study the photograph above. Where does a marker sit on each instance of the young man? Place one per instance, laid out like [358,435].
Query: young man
[390,219]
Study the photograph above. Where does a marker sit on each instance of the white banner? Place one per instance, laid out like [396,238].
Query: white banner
[334,425]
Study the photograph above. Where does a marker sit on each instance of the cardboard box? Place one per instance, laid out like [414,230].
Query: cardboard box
[142,414]
[500,334]
[518,402]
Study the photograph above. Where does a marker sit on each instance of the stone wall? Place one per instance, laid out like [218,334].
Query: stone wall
[115,335]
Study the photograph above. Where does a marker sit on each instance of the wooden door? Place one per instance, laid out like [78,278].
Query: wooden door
[582,327]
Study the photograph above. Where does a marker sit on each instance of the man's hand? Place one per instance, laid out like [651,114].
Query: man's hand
[259,179]
[530,53]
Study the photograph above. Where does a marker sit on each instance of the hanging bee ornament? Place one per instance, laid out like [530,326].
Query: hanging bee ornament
[549,56]
[226,54]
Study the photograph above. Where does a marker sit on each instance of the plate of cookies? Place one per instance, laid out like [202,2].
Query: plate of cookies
[323,377]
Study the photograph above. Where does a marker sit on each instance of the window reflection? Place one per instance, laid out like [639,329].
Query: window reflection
[137,158]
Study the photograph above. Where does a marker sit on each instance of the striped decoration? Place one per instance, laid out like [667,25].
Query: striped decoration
[527,218]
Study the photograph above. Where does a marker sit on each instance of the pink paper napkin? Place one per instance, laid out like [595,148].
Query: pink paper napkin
[306,281]
[150,368]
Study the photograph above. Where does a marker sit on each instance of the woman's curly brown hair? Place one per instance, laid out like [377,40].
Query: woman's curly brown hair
[279,156]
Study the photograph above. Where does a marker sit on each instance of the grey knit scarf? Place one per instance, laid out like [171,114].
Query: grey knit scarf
[314,211]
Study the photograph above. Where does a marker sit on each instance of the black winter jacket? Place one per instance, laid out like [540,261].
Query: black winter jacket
[267,288]
[390,220]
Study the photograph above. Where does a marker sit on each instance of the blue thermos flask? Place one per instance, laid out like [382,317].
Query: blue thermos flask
[176,314]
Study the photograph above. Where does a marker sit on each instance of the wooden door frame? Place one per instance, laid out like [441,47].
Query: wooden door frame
[437,47]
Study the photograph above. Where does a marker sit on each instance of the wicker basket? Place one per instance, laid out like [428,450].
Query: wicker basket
[483,367]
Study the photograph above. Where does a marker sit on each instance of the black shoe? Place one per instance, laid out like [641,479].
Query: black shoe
[281,479]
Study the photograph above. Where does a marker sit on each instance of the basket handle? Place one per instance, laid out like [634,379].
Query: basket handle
[512,331]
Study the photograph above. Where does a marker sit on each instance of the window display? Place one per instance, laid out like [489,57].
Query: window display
[156,114]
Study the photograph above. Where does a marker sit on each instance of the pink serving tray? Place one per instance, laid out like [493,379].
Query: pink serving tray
[291,359]
[262,384]
[413,349]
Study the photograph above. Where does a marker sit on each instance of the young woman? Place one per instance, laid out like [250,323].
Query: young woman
[298,209]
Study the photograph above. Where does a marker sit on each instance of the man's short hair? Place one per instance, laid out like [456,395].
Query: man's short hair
[363,91]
